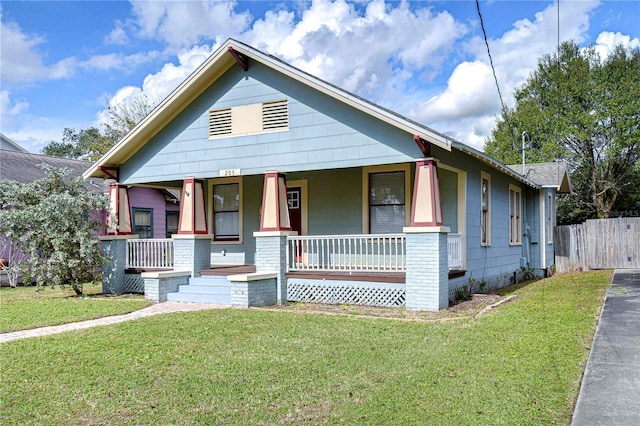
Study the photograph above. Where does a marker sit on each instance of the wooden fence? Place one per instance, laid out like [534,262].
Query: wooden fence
[598,244]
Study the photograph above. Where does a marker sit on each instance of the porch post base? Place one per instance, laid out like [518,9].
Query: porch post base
[427,270]
[271,256]
[115,248]
[192,252]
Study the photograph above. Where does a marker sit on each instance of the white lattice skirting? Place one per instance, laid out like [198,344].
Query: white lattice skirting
[346,292]
[133,283]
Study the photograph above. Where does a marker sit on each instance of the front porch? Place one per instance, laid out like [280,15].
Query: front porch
[404,256]
[339,269]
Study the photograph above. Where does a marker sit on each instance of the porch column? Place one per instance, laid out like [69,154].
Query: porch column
[192,243]
[271,257]
[119,215]
[426,209]
[192,214]
[271,240]
[114,244]
[114,247]
[427,265]
[275,209]
[427,269]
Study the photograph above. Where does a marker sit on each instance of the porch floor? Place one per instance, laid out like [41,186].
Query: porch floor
[387,277]
[218,270]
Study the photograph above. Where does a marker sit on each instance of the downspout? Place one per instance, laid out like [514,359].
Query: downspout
[543,235]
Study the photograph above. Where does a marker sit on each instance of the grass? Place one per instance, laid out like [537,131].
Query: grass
[520,364]
[23,308]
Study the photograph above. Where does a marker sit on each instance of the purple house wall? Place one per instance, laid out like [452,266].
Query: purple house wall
[153,202]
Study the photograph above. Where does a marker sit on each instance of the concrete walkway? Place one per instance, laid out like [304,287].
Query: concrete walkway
[610,390]
[156,309]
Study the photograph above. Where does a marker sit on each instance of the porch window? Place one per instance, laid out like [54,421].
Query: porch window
[226,212]
[172,223]
[386,202]
[485,209]
[515,219]
[143,222]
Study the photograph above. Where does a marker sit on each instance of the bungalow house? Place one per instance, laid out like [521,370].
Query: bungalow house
[294,189]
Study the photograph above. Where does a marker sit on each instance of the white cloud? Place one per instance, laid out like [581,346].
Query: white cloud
[21,61]
[607,41]
[372,52]
[159,85]
[10,111]
[471,96]
[118,35]
[182,24]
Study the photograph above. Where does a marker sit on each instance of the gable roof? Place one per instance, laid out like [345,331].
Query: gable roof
[547,175]
[23,167]
[213,68]
[233,53]
[7,144]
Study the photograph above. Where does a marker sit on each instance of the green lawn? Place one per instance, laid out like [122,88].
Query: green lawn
[22,308]
[519,364]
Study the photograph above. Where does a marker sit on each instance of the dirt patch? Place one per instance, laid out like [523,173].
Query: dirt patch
[463,309]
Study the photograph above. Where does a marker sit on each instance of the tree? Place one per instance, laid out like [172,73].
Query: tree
[125,115]
[54,221]
[92,143]
[586,111]
[88,144]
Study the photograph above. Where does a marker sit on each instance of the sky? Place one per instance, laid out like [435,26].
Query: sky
[62,64]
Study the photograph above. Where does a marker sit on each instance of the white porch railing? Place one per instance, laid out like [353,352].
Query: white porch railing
[357,253]
[347,253]
[150,253]
[454,251]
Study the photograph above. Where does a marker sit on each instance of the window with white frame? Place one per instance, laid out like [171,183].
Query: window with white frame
[515,215]
[387,210]
[226,211]
[550,218]
[485,209]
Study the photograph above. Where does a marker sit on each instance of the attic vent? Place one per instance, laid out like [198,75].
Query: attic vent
[275,115]
[220,122]
[249,119]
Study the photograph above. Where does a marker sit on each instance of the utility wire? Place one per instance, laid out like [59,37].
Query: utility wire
[486,42]
[495,78]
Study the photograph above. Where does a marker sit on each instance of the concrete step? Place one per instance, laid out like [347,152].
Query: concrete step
[213,289]
[218,299]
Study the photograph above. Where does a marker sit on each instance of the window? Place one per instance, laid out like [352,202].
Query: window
[249,119]
[515,217]
[172,223]
[226,211]
[550,218]
[386,202]
[485,209]
[143,222]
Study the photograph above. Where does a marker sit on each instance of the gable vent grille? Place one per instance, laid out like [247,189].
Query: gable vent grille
[275,115]
[220,122]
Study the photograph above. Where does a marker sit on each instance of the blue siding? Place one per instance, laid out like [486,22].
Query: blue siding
[449,198]
[324,134]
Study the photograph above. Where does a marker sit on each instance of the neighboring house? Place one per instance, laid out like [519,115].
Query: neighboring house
[7,144]
[154,209]
[323,193]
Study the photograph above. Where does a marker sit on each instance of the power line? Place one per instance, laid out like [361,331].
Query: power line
[486,42]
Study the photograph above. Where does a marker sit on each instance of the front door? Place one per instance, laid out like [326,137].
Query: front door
[294,199]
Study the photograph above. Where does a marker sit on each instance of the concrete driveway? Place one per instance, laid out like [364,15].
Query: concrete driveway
[610,390]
